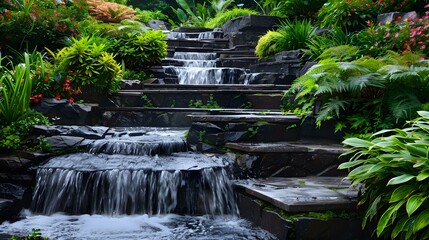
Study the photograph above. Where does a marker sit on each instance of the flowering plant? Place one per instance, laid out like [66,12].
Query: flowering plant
[352,13]
[408,35]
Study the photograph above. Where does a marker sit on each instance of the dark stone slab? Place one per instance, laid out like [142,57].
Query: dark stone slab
[22,179]
[284,147]
[199,129]
[275,224]
[11,191]
[131,84]
[13,164]
[249,208]
[250,22]
[268,78]
[88,132]
[338,229]
[303,194]
[65,142]
[245,118]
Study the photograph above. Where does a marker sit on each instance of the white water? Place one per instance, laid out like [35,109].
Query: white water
[136,227]
[200,68]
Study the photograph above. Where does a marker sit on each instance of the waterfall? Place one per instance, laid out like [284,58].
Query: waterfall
[135,172]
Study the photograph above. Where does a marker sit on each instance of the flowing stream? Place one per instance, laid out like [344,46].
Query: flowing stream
[135,184]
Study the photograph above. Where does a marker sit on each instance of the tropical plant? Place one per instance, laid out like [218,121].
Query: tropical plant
[295,8]
[189,15]
[141,50]
[364,95]
[35,235]
[109,11]
[87,63]
[393,167]
[291,35]
[15,88]
[146,15]
[331,38]
[222,17]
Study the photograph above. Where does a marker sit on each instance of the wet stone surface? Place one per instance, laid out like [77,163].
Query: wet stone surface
[303,194]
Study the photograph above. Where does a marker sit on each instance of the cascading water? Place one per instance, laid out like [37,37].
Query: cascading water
[116,191]
[200,68]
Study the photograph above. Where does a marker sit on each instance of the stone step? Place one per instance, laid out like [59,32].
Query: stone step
[305,157]
[210,44]
[302,208]
[268,99]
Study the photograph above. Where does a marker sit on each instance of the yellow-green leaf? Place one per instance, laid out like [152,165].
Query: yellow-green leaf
[400,179]
[422,221]
[401,192]
[414,202]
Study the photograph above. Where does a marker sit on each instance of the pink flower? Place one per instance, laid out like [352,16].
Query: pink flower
[396,35]
[423,47]
[387,35]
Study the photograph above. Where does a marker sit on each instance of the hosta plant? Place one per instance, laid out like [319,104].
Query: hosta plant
[393,167]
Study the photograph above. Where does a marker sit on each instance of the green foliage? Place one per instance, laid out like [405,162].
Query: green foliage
[145,15]
[195,16]
[147,102]
[12,135]
[291,35]
[352,14]
[393,167]
[134,75]
[269,44]
[35,235]
[342,53]
[222,17]
[332,38]
[139,50]
[87,62]
[364,95]
[15,88]
[40,24]
[294,8]
[408,35]
[210,104]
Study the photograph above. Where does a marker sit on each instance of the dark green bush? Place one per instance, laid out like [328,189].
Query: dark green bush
[140,50]
[222,17]
[364,95]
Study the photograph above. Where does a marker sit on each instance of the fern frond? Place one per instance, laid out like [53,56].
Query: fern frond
[331,109]
[404,106]
[357,83]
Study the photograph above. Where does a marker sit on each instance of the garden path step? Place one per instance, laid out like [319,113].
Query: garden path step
[303,145]
[246,118]
[302,194]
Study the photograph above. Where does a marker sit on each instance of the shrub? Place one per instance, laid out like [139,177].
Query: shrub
[291,35]
[295,8]
[87,63]
[410,35]
[222,17]
[46,24]
[352,14]
[364,95]
[145,15]
[393,167]
[269,44]
[109,11]
[139,50]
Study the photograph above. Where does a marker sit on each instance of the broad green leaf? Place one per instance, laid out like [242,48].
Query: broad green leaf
[402,192]
[350,164]
[385,219]
[400,179]
[423,175]
[356,142]
[424,114]
[372,210]
[422,221]
[399,227]
[414,202]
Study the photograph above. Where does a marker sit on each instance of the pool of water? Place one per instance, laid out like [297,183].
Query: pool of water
[133,227]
